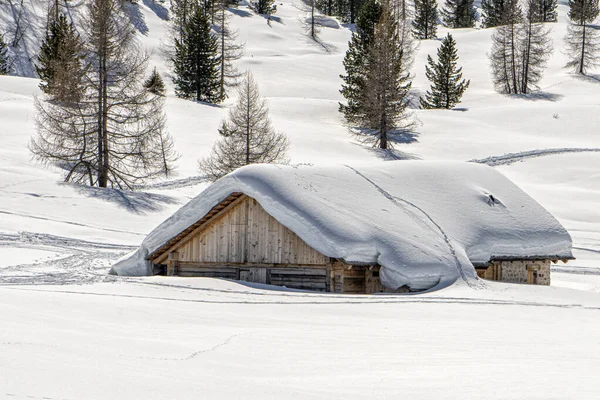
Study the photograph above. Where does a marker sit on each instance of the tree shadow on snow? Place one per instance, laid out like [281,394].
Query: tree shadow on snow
[536,96]
[240,12]
[328,47]
[158,9]
[136,202]
[136,17]
[591,78]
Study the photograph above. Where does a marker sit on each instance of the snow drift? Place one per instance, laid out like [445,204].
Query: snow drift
[424,222]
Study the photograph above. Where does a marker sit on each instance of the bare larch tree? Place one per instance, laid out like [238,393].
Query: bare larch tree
[247,136]
[114,135]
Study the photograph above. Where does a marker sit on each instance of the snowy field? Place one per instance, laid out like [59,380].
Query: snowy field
[69,331]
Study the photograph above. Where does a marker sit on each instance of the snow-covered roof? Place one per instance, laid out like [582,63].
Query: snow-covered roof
[422,221]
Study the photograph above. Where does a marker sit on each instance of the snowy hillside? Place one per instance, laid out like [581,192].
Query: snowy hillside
[227,340]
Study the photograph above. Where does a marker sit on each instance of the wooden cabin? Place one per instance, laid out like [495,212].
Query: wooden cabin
[305,227]
[239,240]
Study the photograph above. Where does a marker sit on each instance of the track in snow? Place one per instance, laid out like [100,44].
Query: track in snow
[79,261]
[511,158]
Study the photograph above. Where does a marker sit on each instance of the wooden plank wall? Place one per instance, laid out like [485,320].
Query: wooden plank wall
[247,233]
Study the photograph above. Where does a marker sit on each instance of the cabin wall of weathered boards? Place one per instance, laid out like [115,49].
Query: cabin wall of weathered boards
[246,243]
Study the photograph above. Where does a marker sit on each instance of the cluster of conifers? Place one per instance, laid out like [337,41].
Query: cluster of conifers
[104,124]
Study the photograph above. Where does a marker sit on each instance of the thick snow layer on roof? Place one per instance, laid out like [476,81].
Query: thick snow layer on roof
[423,222]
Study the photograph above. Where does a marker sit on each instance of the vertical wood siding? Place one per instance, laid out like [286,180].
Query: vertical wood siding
[247,233]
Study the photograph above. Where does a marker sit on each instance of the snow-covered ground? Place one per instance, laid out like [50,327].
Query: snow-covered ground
[70,331]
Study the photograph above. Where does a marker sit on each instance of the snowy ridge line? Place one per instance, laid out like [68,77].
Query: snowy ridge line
[374,300]
[397,200]
[69,223]
[510,158]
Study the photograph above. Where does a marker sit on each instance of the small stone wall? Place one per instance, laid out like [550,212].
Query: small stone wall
[532,272]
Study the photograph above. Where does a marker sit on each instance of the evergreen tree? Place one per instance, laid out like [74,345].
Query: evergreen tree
[181,12]
[459,14]
[544,10]
[114,134]
[386,85]
[197,62]
[155,84]
[4,67]
[492,12]
[60,61]
[426,19]
[583,11]
[582,41]
[355,61]
[246,137]
[447,87]
[265,7]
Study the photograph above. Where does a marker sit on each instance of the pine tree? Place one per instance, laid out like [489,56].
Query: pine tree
[4,62]
[459,14]
[582,41]
[60,61]
[355,60]
[197,62]
[181,12]
[426,19]
[384,91]
[492,12]
[447,87]
[544,10]
[114,135]
[155,84]
[246,137]
[264,7]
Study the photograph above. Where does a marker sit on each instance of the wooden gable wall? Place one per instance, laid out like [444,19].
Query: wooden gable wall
[246,233]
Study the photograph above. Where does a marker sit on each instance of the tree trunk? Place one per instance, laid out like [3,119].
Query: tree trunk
[248,116]
[582,60]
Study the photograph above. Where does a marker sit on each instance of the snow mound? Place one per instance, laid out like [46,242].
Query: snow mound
[424,222]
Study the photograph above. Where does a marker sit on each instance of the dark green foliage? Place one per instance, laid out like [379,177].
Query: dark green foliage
[492,11]
[265,7]
[447,87]
[582,40]
[60,61]
[346,10]
[377,82]
[459,14]
[426,19]
[355,61]
[197,62]
[583,11]
[3,56]
[155,84]
[543,11]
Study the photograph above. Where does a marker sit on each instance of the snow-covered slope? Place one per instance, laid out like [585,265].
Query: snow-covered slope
[158,337]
